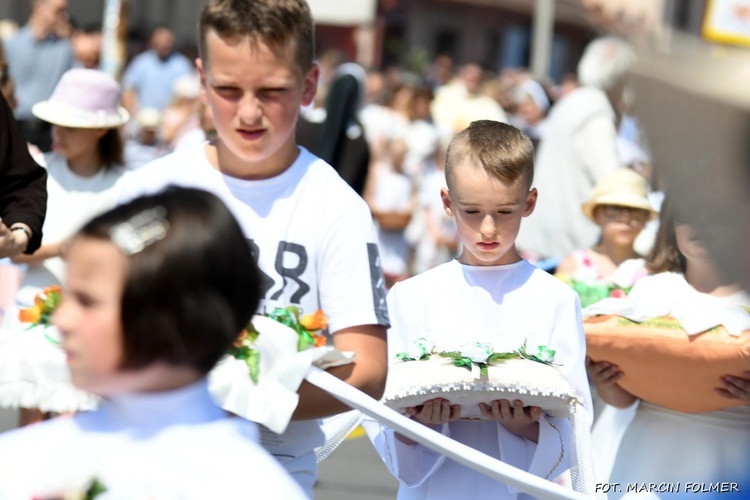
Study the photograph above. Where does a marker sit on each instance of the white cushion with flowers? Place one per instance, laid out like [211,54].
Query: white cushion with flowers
[412,382]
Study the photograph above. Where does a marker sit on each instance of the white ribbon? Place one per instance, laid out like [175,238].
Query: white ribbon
[476,460]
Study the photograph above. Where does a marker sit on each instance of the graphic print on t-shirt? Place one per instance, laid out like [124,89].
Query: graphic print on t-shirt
[377,280]
[291,262]
[291,275]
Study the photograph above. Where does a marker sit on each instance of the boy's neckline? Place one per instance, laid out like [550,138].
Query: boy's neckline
[490,268]
[211,150]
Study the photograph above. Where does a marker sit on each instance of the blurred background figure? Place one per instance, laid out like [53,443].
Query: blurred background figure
[148,79]
[37,57]
[620,207]
[82,171]
[180,120]
[375,115]
[461,101]
[82,178]
[422,137]
[339,138]
[87,46]
[440,72]
[8,28]
[390,196]
[432,232]
[328,62]
[7,85]
[578,148]
[145,144]
[531,102]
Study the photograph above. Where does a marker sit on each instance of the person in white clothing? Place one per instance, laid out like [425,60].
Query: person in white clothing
[312,235]
[391,199]
[658,444]
[579,146]
[461,101]
[84,171]
[489,294]
[134,336]
[84,168]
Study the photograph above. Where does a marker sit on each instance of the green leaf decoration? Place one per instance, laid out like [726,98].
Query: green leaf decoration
[293,310]
[96,489]
[451,354]
[544,355]
[252,333]
[502,356]
[305,341]
[253,365]
[288,316]
[463,362]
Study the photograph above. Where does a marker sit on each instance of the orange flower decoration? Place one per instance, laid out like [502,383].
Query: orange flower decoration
[42,296]
[45,303]
[31,314]
[240,339]
[315,321]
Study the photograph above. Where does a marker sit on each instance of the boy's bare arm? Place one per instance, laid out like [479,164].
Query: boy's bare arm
[367,372]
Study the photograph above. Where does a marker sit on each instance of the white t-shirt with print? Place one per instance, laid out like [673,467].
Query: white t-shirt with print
[315,243]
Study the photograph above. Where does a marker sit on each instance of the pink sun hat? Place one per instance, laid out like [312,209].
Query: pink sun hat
[83,98]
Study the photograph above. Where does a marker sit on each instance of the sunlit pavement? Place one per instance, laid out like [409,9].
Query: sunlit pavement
[354,472]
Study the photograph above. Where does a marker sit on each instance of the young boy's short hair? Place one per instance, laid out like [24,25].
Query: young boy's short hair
[275,22]
[187,296]
[503,151]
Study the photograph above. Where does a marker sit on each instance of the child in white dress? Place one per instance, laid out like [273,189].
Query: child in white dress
[84,174]
[664,446]
[489,294]
[157,291]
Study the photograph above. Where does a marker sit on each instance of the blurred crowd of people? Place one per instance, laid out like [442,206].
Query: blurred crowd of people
[385,131]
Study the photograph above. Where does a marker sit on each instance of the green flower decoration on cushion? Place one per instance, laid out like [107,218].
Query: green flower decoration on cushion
[477,353]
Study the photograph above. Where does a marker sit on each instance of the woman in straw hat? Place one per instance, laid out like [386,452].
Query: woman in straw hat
[84,170]
[619,205]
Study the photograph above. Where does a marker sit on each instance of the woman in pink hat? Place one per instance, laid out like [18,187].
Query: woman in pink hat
[84,170]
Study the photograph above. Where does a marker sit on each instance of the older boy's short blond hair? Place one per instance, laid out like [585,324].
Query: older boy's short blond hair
[503,151]
[274,22]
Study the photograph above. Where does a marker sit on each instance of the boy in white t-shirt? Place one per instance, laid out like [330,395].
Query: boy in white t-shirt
[489,294]
[312,235]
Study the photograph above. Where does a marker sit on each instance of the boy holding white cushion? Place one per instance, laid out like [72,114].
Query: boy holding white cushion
[490,296]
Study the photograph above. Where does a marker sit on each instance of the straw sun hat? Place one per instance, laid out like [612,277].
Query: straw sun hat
[83,98]
[622,188]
